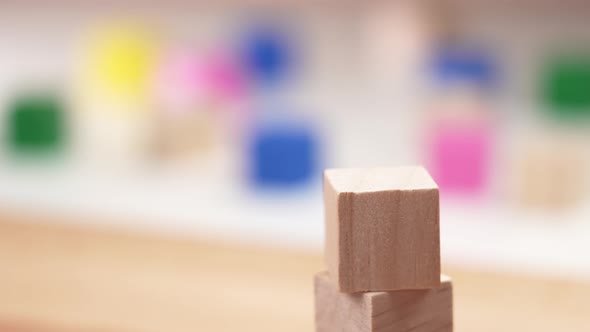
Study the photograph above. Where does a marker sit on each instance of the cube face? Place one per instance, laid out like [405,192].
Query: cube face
[426,310]
[335,311]
[382,229]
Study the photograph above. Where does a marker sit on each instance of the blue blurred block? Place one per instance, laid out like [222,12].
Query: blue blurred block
[465,64]
[283,156]
[268,53]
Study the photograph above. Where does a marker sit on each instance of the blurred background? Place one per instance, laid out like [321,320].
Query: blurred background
[214,121]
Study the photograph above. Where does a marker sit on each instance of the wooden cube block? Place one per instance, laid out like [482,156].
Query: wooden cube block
[382,229]
[533,182]
[423,310]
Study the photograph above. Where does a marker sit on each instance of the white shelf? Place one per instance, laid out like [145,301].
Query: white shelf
[472,234]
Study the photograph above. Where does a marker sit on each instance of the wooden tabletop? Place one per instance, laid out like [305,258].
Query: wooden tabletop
[56,278]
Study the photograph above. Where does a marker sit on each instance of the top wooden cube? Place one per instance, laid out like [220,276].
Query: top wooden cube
[382,229]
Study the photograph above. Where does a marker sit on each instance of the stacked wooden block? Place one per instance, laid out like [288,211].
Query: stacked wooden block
[382,253]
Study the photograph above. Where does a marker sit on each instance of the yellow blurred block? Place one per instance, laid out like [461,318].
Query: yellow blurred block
[120,61]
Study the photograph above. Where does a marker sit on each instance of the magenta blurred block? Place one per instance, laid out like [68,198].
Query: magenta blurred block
[460,154]
[224,76]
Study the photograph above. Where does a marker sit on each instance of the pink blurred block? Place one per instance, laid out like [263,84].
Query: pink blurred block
[460,155]
[179,80]
[187,77]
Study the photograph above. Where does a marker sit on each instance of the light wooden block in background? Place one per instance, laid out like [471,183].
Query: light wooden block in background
[426,310]
[382,229]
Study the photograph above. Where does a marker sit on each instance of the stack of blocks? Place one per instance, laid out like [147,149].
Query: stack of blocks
[382,253]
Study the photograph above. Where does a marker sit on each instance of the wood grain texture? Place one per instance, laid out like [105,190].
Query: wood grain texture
[427,310]
[59,277]
[382,229]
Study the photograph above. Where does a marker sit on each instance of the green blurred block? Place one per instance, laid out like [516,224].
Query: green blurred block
[566,85]
[36,124]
